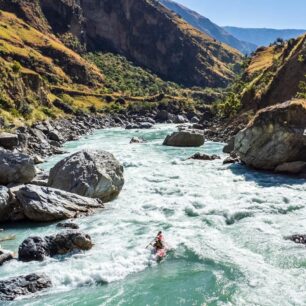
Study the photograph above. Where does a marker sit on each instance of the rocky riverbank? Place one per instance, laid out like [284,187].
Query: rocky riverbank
[43,139]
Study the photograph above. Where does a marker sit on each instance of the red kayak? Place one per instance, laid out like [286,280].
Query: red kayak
[160,254]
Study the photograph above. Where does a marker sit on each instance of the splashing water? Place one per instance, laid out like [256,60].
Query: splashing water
[224,224]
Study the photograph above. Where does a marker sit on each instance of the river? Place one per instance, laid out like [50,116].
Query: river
[225,225]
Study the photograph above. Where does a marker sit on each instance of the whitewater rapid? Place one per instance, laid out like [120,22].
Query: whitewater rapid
[225,225]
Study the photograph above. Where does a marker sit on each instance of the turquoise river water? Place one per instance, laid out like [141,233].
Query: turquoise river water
[225,226]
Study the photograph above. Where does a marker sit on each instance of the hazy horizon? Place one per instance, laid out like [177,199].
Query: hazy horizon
[273,14]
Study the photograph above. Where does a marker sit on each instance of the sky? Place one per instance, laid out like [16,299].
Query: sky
[278,14]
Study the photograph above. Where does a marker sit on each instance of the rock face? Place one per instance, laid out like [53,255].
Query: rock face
[16,168]
[23,285]
[5,207]
[95,174]
[43,204]
[147,33]
[185,138]
[37,248]
[8,141]
[276,135]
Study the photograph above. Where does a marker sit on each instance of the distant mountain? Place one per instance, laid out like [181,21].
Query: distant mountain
[205,25]
[262,37]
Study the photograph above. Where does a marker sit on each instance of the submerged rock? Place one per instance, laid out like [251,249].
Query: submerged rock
[199,156]
[95,174]
[301,239]
[276,135]
[38,248]
[137,140]
[185,138]
[145,125]
[42,204]
[23,285]
[5,256]
[68,224]
[16,168]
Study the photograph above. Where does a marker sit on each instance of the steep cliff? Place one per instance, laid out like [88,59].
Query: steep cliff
[274,74]
[148,34]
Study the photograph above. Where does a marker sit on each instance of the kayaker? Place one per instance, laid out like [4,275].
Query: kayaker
[159,241]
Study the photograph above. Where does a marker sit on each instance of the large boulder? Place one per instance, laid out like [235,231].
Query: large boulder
[5,207]
[8,141]
[185,138]
[38,248]
[16,168]
[44,204]
[23,285]
[275,136]
[95,174]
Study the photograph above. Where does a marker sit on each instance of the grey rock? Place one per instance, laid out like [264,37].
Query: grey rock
[292,168]
[68,224]
[232,159]
[12,288]
[16,168]
[95,174]
[38,160]
[276,135]
[181,119]
[162,116]
[137,140]
[199,156]
[145,125]
[185,138]
[44,204]
[5,256]
[8,141]
[5,207]
[56,136]
[132,126]
[229,147]
[195,119]
[37,248]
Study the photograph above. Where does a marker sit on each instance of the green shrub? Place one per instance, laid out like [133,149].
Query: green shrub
[49,112]
[16,67]
[302,90]
[124,77]
[67,99]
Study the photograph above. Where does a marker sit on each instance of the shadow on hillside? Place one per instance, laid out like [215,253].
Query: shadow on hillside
[265,178]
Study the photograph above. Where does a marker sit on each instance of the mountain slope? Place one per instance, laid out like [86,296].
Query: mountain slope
[262,37]
[148,34]
[273,75]
[205,25]
[31,64]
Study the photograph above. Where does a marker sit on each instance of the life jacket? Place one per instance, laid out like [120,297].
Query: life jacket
[159,242]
